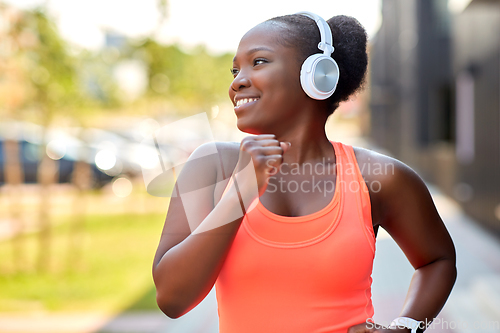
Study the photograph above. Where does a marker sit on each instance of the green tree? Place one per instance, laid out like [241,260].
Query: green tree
[192,81]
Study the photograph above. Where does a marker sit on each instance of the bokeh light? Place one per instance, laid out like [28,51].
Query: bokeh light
[56,149]
[105,159]
[122,187]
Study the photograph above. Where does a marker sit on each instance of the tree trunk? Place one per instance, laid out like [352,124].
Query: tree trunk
[14,177]
[82,179]
[47,175]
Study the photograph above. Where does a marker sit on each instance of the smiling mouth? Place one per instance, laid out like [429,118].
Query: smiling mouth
[244,101]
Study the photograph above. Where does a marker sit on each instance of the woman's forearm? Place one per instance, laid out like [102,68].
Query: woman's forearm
[186,272]
[429,289]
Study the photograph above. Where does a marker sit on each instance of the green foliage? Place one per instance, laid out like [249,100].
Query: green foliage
[48,71]
[196,78]
[54,74]
[96,78]
[60,79]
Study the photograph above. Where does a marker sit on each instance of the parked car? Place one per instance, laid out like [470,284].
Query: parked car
[58,144]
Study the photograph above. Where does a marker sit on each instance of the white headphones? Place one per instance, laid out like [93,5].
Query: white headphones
[319,74]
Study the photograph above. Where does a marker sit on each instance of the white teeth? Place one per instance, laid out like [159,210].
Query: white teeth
[245,100]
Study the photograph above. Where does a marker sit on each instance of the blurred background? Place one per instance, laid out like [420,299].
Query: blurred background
[82,83]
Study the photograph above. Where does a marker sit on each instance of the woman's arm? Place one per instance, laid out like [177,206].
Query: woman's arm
[404,208]
[187,262]
[411,218]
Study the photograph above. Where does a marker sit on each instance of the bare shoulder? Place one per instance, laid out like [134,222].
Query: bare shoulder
[205,163]
[406,210]
[375,166]
[210,148]
[391,183]
[225,149]
[228,153]
[228,146]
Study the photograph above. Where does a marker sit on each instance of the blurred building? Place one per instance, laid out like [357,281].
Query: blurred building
[435,86]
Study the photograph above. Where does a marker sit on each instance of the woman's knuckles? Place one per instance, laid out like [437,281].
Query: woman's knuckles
[266,154]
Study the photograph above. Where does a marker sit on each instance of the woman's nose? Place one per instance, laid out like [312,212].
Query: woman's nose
[240,81]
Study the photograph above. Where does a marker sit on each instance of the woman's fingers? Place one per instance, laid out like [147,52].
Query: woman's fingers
[360,328]
[271,150]
[266,153]
[285,146]
[370,327]
[262,137]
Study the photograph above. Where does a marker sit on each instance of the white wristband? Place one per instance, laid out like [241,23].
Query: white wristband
[406,322]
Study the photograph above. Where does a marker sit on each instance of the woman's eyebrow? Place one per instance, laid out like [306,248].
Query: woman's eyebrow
[256,49]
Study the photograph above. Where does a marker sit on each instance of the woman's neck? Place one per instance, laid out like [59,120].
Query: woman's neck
[308,145]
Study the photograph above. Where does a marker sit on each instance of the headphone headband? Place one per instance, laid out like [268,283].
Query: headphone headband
[326,44]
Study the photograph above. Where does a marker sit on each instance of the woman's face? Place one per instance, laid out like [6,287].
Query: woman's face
[266,91]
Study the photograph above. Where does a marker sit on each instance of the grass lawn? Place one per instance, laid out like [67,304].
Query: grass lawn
[114,272]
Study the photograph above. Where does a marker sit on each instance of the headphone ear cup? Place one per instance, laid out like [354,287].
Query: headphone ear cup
[319,76]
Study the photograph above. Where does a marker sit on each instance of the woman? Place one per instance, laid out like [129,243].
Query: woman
[284,222]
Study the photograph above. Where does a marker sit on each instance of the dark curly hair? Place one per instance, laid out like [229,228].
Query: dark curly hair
[349,41]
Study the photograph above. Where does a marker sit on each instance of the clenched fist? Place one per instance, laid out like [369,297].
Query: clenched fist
[266,155]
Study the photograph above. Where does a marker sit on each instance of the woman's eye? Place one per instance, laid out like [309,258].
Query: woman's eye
[234,71]
[259,61]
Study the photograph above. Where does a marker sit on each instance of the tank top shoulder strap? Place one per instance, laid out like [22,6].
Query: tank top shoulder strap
[360,189]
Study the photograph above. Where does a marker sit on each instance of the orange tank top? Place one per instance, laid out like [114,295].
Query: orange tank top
[302,274]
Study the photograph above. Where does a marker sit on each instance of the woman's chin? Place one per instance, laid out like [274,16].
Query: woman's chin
[247,128]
